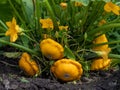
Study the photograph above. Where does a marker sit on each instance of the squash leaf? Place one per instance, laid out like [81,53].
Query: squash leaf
[68,53]
[12,54]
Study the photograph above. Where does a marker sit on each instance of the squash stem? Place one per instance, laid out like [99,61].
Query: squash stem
[103,28]
[51,13]
[18,46]
[114,56]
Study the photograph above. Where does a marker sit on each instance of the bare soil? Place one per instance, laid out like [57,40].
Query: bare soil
[12,78]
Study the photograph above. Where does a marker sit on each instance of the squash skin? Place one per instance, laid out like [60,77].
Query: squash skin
[29,66]
[67,70]
[51,49]
[100,64]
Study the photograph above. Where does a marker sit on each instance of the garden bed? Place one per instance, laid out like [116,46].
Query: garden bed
[12,78]
[59,39]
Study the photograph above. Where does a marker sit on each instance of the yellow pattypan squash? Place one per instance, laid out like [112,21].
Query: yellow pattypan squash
[100,64]
[29,66]
[51,49]
[67,70]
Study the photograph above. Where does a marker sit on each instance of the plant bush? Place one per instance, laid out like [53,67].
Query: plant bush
[75,25]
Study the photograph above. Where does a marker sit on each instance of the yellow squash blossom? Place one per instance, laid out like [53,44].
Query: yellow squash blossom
[110,7]
[51,49]
[13,30]
[103,48]
[99,40]
[47,23]
[102,22]
[46,36]
[63,5]
[63,28]
[29,66]
[100,64]
[78,4]
[67,70]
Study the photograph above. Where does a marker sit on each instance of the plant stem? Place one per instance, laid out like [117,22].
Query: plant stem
[9,64]
[16,12]
[18,46]
[114,56]
[2,34]
[98,10]
[51,14]
[95,45]
[37,13]
[92,32]
[3,24]
[30,38]
[113,42]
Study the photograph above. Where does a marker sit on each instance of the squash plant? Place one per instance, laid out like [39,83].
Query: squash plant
[75,31]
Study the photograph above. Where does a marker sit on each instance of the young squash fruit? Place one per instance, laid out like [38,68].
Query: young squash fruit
[100,64]
[28,65]
[67,70]
[51,49]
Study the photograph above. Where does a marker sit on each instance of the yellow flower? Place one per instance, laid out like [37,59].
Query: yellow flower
[63,5]
[46,36]
[99,40]
[51,49]
[78,4]
[63,28]
[104,48]
[13,30]
[47,23]
[110,7]
[67,70]
[102,22]
[100,64]
[29,66]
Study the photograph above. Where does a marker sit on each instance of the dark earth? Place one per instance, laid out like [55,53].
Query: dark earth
[12,78]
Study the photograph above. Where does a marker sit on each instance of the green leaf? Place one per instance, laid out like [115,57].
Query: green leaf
[68,53]
[12,54]
[24,80]
[3,1]
[28,4]
[4,27]
[6,39]
[5,11]
[115,62]
[25,41]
